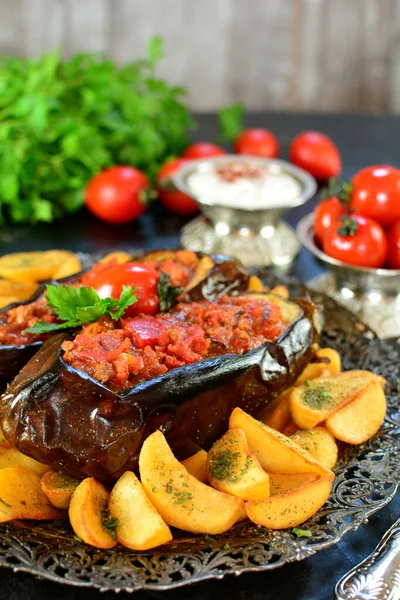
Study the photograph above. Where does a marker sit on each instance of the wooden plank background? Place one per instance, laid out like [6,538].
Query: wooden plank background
[325,55]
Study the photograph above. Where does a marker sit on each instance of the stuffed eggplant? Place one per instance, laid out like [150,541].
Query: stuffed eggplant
[86,402]
[198,275]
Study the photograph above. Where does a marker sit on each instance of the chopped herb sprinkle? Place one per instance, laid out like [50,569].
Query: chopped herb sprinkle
[302,532]
[316,397]
[109,523]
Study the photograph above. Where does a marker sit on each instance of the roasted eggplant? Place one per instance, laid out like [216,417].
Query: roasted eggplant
[214,276]
[65,418]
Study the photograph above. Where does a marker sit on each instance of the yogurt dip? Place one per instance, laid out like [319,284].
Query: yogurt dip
[244,185]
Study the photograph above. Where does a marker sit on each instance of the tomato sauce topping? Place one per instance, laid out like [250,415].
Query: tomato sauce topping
[121,355]
[179,265]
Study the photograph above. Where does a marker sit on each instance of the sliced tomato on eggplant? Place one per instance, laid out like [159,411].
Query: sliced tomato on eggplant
[213,277]
[65,418]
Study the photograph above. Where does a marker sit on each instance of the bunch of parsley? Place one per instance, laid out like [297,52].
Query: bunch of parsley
[61,122]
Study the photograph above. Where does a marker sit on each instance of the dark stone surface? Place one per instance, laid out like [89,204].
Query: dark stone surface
[363,140]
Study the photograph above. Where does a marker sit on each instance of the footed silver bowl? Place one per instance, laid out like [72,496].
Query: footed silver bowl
[254,235]
[373,294]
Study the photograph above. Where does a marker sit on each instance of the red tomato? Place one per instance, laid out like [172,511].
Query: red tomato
[316,153]
[173,199]
[203,150]
[376,193]
[110,280]
[257,142]
[117,194]
[356,240]
[393,261]
[325,213]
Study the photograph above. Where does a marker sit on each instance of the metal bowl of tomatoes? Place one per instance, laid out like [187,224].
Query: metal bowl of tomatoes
[367,282]
[355,232]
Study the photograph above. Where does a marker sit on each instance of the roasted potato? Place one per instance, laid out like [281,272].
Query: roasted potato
[181,499]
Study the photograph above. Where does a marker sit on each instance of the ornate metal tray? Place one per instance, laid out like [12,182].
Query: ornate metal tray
[366,480]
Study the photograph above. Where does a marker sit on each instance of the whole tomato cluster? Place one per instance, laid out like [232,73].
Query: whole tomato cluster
[359,222]
[122,193]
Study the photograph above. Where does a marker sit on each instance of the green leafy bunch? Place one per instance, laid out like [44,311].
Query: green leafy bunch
[61,122]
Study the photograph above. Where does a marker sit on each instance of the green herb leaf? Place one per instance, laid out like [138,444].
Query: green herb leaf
[302,532]
[230,121]
[77,306]
[167,293]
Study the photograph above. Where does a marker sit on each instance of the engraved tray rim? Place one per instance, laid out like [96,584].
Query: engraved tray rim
[365,483]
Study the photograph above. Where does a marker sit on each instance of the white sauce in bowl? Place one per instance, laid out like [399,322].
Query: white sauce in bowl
[248,186]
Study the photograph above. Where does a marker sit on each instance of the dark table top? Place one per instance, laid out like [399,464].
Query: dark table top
[363,140]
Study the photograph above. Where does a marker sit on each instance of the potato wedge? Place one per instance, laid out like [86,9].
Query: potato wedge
[291,508]
[360,419]
[15,291]
[320,443]
[88,513]
[290,429]
[59,487]
[69,267]
[30,267]
[276,452]
[313,371]
[280,290]
[11,457]
[6,300]
[21,497]
[314,402]
[205,265]
[284,482]
[335,362]
[233,469]
[281,416]
[118,257]
[255,284]
[196,465]
[139,526]
[181,499]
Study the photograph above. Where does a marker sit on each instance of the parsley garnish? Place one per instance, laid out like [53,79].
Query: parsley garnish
[302,532]
[166,292]
[77,306]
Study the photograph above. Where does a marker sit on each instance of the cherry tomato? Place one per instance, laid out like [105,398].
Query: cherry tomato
[257,142]
[173,199]
[376,193]
[118,194]
[393,260]
[109,281]
[316,153]
[356,240]
[203,150]
[325,213]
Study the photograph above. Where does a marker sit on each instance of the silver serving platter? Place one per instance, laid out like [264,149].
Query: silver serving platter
[366,480]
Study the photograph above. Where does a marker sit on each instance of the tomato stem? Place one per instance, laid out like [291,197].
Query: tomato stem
[348,227]
[340,188]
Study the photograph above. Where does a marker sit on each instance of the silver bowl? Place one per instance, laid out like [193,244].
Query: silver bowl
[373,294]
[255,236]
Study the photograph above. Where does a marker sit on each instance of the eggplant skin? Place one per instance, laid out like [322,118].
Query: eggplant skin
[64,418]
[224,276]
